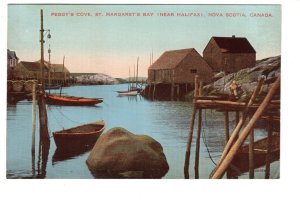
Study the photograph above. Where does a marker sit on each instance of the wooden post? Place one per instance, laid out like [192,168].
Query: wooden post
[33,117]
[178,90]
[172,91]
[251,154]
[269,145]
[228,158]
[186,87]
[42,103]
[197,155]
[226,125]
[237,129]
[190,138]
[153,95]
[149,91]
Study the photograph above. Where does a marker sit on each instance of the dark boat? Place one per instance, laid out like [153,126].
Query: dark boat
[72,100]
[241,159]
[80,137]
[52,86]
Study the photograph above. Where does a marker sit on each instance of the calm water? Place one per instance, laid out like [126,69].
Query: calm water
[166,121]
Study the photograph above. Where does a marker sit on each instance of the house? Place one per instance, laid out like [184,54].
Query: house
[179,67]
[12,61]
[229,54]
[29,70]
[59,72]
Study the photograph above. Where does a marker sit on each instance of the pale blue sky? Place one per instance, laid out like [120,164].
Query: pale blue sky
[112,44]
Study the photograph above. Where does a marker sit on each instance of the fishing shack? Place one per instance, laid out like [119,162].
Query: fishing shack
[229,54]
[175,71]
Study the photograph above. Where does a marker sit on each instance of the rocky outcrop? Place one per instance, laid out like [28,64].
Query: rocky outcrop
[246,80]
[121,154]
[96,79]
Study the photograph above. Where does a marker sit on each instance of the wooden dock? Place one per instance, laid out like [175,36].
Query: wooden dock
[234,152]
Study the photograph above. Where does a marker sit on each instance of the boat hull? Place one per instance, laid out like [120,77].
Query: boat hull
[81,137]
[128,93]
[72,101]
[241,159]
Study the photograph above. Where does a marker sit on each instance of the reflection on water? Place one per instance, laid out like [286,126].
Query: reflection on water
[62,155]
[167,122]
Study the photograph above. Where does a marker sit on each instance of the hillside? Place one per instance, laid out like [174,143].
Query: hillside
[94,79]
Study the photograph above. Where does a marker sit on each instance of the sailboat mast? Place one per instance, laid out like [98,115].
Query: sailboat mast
[64,71]
[129,79]
[137,72]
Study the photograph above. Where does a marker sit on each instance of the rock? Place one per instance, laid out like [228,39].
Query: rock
[121,154]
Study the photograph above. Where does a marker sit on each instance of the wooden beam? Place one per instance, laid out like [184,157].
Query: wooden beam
[227,160]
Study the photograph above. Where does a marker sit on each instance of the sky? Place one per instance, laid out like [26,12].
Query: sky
[111,44]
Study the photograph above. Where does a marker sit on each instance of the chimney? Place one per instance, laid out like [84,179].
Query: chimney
[233,36]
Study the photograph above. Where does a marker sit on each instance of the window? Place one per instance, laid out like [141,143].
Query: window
[193,71]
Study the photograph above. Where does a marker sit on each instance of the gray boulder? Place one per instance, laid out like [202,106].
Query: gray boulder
[121,154]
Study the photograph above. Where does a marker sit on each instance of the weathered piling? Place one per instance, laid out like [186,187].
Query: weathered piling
[42,102]
[251,154]
[190,138]
[269,145]
[197,154]
[33,117]
[228,158]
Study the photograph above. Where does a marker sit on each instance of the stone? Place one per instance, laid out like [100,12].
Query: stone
[121,154]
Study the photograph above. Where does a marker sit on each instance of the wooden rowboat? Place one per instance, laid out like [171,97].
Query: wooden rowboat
[72,100]
[79,137]
[241,159]
[128,93]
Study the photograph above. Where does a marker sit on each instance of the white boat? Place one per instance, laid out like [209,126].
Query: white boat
[128,93]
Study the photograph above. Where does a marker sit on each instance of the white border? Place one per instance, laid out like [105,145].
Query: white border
[285,187]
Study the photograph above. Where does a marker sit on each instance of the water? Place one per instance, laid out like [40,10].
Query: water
[166,121]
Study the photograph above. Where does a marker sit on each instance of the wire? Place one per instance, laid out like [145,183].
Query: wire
[205,143]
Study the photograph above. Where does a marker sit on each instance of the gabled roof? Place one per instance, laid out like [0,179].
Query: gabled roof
[11,55]
[171,59]
[234,44]
[56,67]
[32,66]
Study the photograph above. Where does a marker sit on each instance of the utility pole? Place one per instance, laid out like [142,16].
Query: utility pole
[44,135]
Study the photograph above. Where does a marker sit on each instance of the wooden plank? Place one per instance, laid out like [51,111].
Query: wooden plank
[251,154]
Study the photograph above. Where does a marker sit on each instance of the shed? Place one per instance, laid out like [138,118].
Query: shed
[29,70]
[229,54]
[179,67]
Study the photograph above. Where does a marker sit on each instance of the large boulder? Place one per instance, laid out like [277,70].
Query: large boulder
[121,154]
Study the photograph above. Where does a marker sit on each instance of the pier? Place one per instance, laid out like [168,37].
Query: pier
[257,153]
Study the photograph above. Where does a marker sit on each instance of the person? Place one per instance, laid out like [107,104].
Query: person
[233,88]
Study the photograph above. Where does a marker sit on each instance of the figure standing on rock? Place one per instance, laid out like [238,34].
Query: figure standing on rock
[233,89]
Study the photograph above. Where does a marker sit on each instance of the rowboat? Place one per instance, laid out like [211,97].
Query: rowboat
[72,100]
[241,159]
[52,86]
[79,137]
[128,93]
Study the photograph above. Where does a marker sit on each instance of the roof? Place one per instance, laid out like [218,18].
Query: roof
[31,66]
[57,67]
[234,44]
[11,54]
[171,59]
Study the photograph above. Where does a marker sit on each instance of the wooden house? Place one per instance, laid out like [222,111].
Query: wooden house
[12,61]
[229,54]
[175,71]
[29,70]
[179,67]
[58,72]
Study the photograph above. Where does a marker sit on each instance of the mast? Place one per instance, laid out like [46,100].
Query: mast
[49,74]
[42,50]
[137,72]
[64,81]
